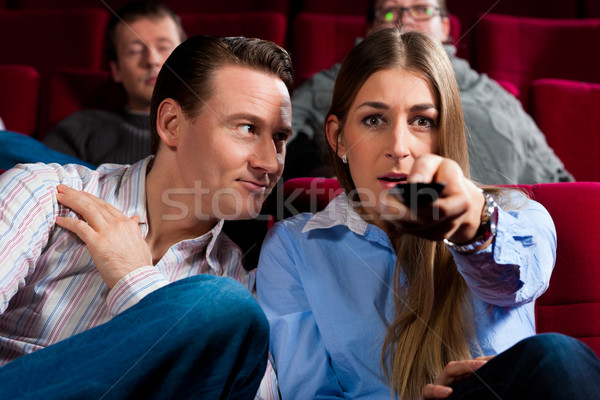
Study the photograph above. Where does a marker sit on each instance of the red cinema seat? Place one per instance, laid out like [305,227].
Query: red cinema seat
[49,39]
[74,89]
[470,12]
[19,102]
[321,40]
[566,112]
[233,6]
[63,4]
[521,50]
[178,6]
[268,25]
[336,7]
[571,305]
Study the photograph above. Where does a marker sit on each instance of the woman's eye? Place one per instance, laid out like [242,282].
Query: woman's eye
[423,122]
[373,120]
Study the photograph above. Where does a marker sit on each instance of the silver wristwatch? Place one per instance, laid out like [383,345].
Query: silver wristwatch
[487,228]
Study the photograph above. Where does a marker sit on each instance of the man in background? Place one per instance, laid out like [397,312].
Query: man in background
[505,144]
[139,38]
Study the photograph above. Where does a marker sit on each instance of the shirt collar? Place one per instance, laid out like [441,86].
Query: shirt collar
[338,212]
[131,193]
[211,247]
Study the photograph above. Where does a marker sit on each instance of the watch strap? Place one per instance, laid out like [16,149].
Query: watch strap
[487,228]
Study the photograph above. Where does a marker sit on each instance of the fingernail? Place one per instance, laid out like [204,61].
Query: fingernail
[447,390]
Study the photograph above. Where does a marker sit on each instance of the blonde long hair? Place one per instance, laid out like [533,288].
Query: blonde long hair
[433,322]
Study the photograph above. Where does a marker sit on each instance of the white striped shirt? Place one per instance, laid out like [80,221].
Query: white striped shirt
[50,288]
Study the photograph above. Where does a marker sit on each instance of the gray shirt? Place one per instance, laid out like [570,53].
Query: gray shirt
[100,136]
[505,145]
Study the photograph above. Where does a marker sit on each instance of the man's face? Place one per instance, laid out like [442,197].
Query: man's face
[142,47]
[232,152]
[437,25]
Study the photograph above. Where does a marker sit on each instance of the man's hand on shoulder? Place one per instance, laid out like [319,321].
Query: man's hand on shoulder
[114,240]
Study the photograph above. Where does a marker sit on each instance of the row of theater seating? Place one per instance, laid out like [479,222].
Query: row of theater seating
[467,10]
[514,49]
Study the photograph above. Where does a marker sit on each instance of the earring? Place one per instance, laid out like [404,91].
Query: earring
[345,159]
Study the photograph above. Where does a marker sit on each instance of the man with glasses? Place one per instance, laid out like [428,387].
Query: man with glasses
[505,144]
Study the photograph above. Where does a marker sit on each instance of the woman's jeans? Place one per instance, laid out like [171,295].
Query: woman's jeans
[203,337]
[546,366]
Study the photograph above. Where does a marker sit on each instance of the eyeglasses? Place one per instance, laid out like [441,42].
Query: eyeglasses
[391,15]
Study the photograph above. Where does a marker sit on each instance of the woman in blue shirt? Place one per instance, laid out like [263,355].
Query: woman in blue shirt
[371,298]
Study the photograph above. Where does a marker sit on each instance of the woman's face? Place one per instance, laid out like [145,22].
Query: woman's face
[392,121]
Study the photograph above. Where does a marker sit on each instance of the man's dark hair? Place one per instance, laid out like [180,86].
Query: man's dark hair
[131,12]
[186,76]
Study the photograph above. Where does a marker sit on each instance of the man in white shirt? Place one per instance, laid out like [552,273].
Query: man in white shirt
[116,281]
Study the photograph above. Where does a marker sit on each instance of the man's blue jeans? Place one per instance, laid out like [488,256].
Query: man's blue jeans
[203,337]
[547,366]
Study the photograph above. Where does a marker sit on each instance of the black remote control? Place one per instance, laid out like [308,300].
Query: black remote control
[414,194]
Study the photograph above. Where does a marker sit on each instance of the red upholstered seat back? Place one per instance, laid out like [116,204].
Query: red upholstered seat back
[62,4]
[49,39]
[338,7]
[321,40]
[470,12]
[19,98]
[73,89]
[195,6]
[268,25]
[566,111]
[571,305]
[521,50]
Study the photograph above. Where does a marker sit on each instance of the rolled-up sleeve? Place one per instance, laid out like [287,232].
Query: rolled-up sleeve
[516,268]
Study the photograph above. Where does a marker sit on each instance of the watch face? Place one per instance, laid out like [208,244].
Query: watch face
[493,215]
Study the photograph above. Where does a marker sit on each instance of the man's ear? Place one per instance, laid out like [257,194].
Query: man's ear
[333,127]
[168,121]
[114,71]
